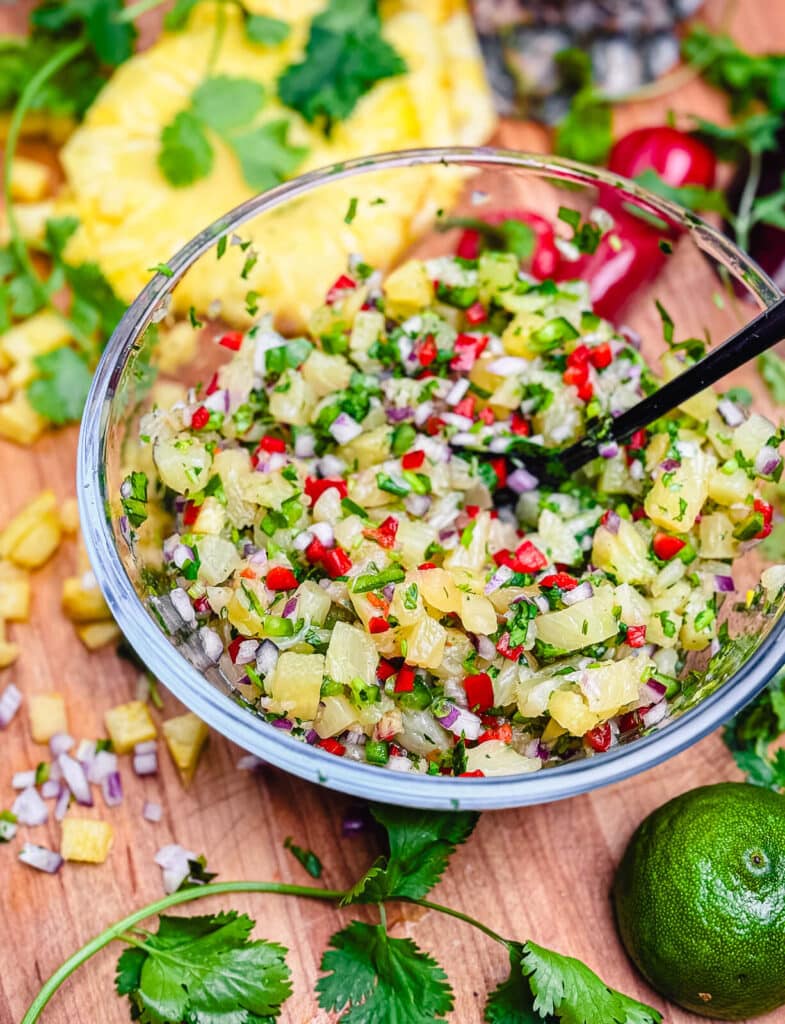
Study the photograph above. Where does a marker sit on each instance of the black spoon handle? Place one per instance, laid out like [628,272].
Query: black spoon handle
[746,344]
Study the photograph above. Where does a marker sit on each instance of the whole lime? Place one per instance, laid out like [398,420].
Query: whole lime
[700,900]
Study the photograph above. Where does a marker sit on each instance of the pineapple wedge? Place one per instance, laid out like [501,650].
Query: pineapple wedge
[33,535]
[47,716]
[14,593]
[86,840]
[129,724]
[185,737]
[83,603]
[98,634]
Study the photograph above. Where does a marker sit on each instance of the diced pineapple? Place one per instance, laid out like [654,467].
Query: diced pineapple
[69,515]
[39,334]
[19,422]
[367,328]
[425,642]
[218,559]
[700,406]
[477,614]
[496,272]
[518,332]
[570,710]
[292,400]
[351,655]
[457,647]
[506,396]
[664,625]
[730,488]
[9,652]
[185,737]
[313,603]
[677,496]
[14,593]
[83,603]
[407,616]
[635,609]
[25,523]
[211,516]
[98,634]
[129,724]
[534,691]
[177,348]
[407,289]
[473,554]
[497,758]
[557,539]
[31,220]
[716,536]
[47,716]
[295,684]
[438,589]
[413,540]
[183,462]
[752,435]
[30,179]
[242,615]
[612,685]
[587,622]
[625,554]
[326,373]
[368,448]
[552,732]
[86,840]
[334,716]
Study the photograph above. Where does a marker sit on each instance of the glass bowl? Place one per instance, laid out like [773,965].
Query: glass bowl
[302,231]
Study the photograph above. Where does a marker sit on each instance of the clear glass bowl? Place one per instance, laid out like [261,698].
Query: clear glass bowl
[302,231]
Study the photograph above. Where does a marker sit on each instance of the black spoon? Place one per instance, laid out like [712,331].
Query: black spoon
[553,465]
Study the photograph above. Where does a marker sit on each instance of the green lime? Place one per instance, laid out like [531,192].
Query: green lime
[700,900]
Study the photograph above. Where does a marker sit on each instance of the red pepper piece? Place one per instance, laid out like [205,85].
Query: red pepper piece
[378,624]
[479,691]
[599,738]
[468,247]
[336,562]
[332,746]
[562,580]
[202,606]
[271,444]
[638,440]
[466,406]
[503,733]
[212,387]
[577,376]
[546,257]
[500,469]
[467,350]
[385,669]
[476,774]
[487,416]
[190,513]
[503,647]
[666,547]
[234,647]
[404,682]
[427,565]
[767,511]
[427,351]
[586,391]
[280,578]
[579,356]
[632,719]
[232,340]
[636,636]
[315,488]
[433,425]
[601,355]
[413,460]
[200,418]
[519,426]
[342,284]
[315,551]
[476,313]
[530,557]
[384,534]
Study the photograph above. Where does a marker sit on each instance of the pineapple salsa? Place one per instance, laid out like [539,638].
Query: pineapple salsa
[358,546]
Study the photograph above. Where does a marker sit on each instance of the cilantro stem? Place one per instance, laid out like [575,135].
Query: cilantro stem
[450,912]
[744,218]
[133,11]
[116,931]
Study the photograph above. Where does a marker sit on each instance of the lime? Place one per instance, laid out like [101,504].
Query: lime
[700,900]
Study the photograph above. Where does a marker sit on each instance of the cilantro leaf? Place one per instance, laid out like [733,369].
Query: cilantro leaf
[112,40]
[186,154]
[772,369]
[380,980]
[585,132]
[512,1002]
[267,31]
[307,858]
[94,303]
[694,197]
[204,969]
[569,989]
[756,133]
[134,497]
[67,94]
[223,102]
[265,156]
[60,391]
[743,76]
[344,57]
[177,17]
[421,843]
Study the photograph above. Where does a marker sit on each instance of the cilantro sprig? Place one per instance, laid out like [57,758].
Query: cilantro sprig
[208,968]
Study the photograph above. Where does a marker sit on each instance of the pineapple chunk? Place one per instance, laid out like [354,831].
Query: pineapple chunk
[183,462]
[334,716]
[86,840]
[210,518]
[413,540]
[587,622]
[752,435]
[30,180]
[69,515]
[437,588]
[14,593]
[47,716]
[185,737]
[367,328]
[313,602]
[351,655]
[675,500]
[518,332]
[31,220]
[39,334]
[19,422]
[496,272]
[33,535]
[98,634]
[473,555]
[426,642]
[716,536]
[625,555]
[9,652]
[295,684]
[497,758]
[477,614]
[368,448]
[407,289]
[292,400]
[83,603]
[614,684]
[242,616]
[218,559]
[570,710]
[730,488]
[635,609]
[326,373]
[558,539]
[129,724]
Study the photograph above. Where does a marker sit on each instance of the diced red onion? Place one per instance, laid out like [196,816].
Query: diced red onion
[344,428]
[655,714]
[449,718]
[668,465]
[724,584]
[389,591]
[147,747]
[246,652]
[40,858]
[23,780]
[103,764]
[521,480]
[417,505]
[212,644]
[714,647]
[76,779]
[258,559]
[400,764]
[455,420]
[181,603]
[468,724]
[29,808]
[508,366]
[542,603]
[182,554]
[311,737]
[399,415]
[10,702]
[60,743]
[486,648]
[112,789]
[218,401]
[767,461]
[85,751]
[730,412]
[8,830]
[499,578]
[304,444]
[173,860]
[282,723]
[608,449]
[580,593]
[323,533]
[61,807]
[266,658]
[651,692]
[146,764]
[50,789]
[170,545]
[612,521]
[422,413]
[289,607]
[302,540]
[457,391]
[152,811]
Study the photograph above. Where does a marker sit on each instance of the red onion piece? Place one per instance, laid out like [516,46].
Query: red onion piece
[417,505]
[651,692]
[212,644]
[724,584]
[152,811]
[486,648]
[145,764]
[282,723]
[730,412]
[423,412]
[112,789]
[304,445]
[289,607]
[60,743]
[266,658]
[655,714]
[10,702]
[63,801]
[103,764]
[580,593]
[40,858]
[173,860]
[499,578]
[398,415]
[542,604]
[23,780]
[344,428]
[608,449]
[612,521]
[181,603]
[457,391]
[521,480]
[449,717]
[50,789]
[767,461]
[302,540]
[76,779]
[246,651]
[148,747]
[29,808]
[323,533]
[182,554]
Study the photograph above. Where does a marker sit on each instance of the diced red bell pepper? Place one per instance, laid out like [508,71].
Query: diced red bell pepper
[519,426]
[342,284]
[471,511]
[404,682]
[468,247]
[280,578]
[202,606]
[385,669]
[427,351]
[232,340]
[486,416]
[546,257]
[503,647]
[378,624]
[767,511]
[427,565]
[601,355]
[413,460]
[332,746]
[476,774]
[580,357]
[190,513]
[476,313]
[666,547]
[200,418]
[336,562]
[467,350]
[499,467]
[530,557]
[562,580]
[466,406]
[636,636]
[234,647]
[503,733]
[384,534]
[599,738]
[315,488]
[479,691]
[638,440]
[212,387]
[433,425]
[315,551]
[632,720]
[248,573]
[271,444]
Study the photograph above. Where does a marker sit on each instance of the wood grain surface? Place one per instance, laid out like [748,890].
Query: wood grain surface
[540,873]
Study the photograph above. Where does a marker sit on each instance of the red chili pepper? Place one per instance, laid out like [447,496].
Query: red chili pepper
[601,355]
[427,351]
[487,416]
[767,511]
[232,340]
[500,469]
[385,669]
[467,350]
[530,557]
[342,284]
[503,733]
[562,580]
[599,738]
[404,682]
[503,647]
[271,444]
[378,624]
[413,460]
[665,546]
[202,606]
[471,511]
[468,247]
[332,746]
[280,578]
[212,387]
[519,426]
[200,418]
[315,488]
[636,636]
[638,440]
[632,719]
[315,551]
[580,357]
[476,774]
[476,313]
[384,534]
[466,406]
[190,513]
[479,691]
[678,158]
[336,562]
[427,565]
[433,425]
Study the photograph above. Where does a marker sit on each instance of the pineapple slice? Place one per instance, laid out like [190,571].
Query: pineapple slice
[69,515]
[47,716]
[185,737]
[19,422]
[82,602]
[30,180]
[313,603]
[497,758]
[14,593]
[33,535]
[587,622]
[129,724]
[624,554]
[295,683]
[677,497]
[35,336]
[86,840]
[570,710]
[98,634]
[351,655]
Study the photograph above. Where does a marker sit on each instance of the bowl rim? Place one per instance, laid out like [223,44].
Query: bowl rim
[217,708]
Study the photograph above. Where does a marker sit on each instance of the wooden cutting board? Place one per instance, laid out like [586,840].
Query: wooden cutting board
[542,872]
